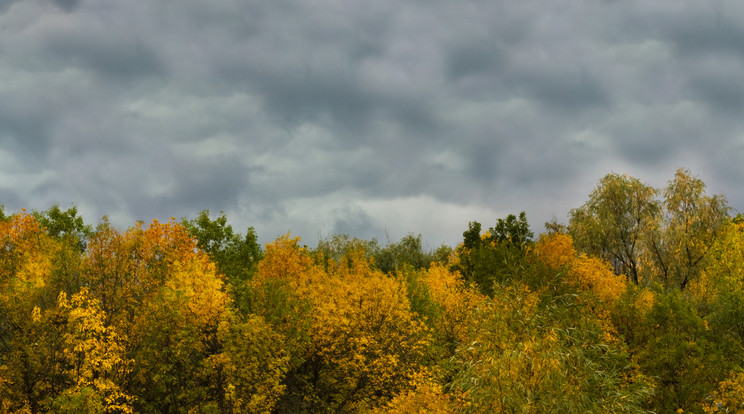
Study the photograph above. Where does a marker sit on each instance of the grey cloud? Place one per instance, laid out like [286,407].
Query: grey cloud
[477,57]
[354,221]
[67,5]
[24,131]
[6,4]
[187,186]
[109,55]
[10,201]
[717,81]
[217,181]
[704,30]
[724,95]
[290,112]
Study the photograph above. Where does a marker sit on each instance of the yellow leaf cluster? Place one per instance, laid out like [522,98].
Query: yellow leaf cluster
[728,396]
[251,364]
[426,397]
[724,267]
[589,273]
[556,251]
[94,355]
[456,301]
[597,275]
[26,254]
[509,362]
[363,337]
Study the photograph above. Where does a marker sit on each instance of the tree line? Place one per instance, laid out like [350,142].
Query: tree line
[633,306]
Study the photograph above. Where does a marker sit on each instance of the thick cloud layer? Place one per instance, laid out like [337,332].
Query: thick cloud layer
[369,118]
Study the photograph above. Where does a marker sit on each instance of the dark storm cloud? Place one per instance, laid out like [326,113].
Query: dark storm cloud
[692,28]
[10,201]
[217,181]
[357,116]
[479,57]
[5,4]
[355,221]
[114,59]
[23,129]
[67,5]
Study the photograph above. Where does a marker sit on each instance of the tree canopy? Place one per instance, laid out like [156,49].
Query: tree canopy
[634,306]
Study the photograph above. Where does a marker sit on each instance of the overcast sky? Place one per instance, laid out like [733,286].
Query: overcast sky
[363,117]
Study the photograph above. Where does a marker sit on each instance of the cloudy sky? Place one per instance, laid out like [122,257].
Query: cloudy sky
[363,117]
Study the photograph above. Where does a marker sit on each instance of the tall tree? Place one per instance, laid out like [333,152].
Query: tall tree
[615,221]
[692,221]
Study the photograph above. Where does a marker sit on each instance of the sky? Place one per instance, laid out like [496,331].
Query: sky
[369,118]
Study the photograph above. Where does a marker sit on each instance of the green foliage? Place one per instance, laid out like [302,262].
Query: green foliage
[683,356]
[495,256]
[418,293]
[340,245]
[691,224]
[235,255]
[615,220]
[647,239]
[66,225]
[472,236]
[512,230]
[408,251]
[544,352]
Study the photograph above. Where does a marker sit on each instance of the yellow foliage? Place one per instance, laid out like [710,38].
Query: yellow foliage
[702,289]
[165,296]
[251,364]
[507,359]
[597,275]
[556,250]
[426,397]
[644,302]
[285,260]
[724,265]
[36,314]
[129,269]
[363,337]
[728,396]
[589,273]
[455,300]
[94,354]
[197,283]
[26,254]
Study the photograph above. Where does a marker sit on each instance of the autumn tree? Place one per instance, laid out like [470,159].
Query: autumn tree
[331,249]
[94,361]
[249,371]
[57,354]
[645,238]
[26,268]
[364,346]
[690,225]
[614,223]
[540,352]
[728,396]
